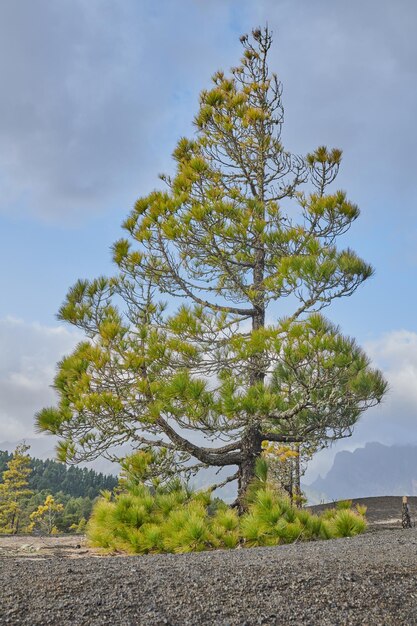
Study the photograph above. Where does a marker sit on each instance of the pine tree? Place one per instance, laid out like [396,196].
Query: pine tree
[14,490]
[178,343]
[45,516]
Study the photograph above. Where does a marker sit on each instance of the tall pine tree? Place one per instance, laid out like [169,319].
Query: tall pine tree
[14,490]
[179,348]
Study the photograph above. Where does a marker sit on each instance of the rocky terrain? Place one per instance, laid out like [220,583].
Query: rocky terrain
[370,579]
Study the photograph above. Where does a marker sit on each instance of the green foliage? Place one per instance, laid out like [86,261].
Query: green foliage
[80,527]
[143,521]
[316,350]
[346,523]
[45,516]
[72,490]
[241,226]
[55,477]
[75,514]
[14,490]
[343,504]
[5,457]
[225,528]
[361,509]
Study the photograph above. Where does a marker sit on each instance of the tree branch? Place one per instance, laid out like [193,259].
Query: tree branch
[227,455]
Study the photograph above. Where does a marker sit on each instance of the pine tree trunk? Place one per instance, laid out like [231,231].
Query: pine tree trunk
[297,477]
[252,438]
[251,450]
[12,525]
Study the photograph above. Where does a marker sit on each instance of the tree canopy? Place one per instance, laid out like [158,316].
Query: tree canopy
[209,339]
[55,477]
[14,490]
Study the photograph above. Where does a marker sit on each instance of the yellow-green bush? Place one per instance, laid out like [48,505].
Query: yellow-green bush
[346,523]
[142,521]
[343,504]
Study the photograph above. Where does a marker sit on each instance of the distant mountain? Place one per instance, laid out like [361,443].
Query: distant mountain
[375,470]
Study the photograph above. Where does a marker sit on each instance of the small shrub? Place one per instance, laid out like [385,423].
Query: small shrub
[186,530]
[131,540]
[343,504]
[293,532]
[346,523]
[167,502]
[79,528]
[361,509]
[174,519]
[328,514]
[312,524]
[100,527]
[252,530]
[152,538]
[325,532]
[224,526]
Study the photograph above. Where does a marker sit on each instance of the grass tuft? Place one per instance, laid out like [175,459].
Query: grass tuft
[177,520]
[346,523]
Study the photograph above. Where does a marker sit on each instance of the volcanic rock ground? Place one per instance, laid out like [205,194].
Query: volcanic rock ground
[370,579]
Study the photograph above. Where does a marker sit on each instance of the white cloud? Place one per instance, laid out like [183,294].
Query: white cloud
[28,354]
[395,420]
[92,94]
[396,354]
[95,94]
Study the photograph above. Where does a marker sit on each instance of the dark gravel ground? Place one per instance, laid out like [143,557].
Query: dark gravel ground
[370,579]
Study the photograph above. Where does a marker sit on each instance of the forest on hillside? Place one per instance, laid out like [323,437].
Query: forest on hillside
[46,496]
[57,477]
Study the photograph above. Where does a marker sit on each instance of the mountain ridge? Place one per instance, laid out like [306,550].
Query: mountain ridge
[374,470]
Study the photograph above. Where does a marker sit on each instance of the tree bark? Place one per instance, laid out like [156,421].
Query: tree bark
[252,438]
[251,450]
[297,477]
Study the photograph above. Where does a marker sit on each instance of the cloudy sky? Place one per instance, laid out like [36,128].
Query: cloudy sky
[95,94]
